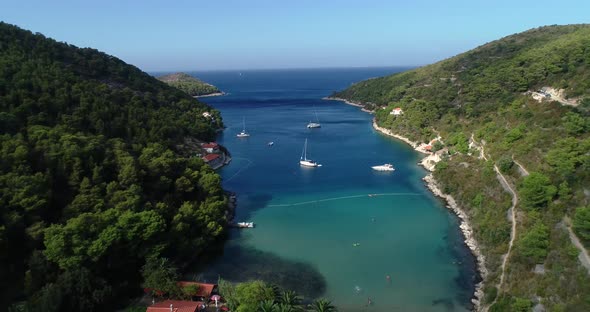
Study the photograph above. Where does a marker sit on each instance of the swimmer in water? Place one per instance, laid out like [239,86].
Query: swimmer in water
[369,302]
[388,278]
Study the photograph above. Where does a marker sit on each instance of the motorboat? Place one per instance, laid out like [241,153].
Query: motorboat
[384,167]
[245,224]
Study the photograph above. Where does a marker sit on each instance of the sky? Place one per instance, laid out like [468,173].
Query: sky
[238,34]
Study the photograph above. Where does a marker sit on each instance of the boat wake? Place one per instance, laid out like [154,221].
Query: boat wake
[344,197]
[241,169]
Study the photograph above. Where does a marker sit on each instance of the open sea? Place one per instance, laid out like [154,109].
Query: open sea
[317,229]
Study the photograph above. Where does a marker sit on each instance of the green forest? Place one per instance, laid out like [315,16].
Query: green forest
[93,183]
[483,100]
[189,84]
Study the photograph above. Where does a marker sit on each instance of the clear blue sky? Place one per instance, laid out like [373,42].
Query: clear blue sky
[240,34]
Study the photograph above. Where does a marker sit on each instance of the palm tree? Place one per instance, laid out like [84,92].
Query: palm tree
[323,305]
[267,306]
[283,307]
[290,297]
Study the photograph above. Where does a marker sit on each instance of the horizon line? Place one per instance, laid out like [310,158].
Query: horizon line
[281,68]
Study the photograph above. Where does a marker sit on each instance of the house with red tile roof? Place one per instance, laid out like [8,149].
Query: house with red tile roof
[210,158]
[203,291]
[211,147]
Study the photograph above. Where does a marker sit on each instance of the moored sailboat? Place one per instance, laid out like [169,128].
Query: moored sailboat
[307,162]
[315,124]
[243,134]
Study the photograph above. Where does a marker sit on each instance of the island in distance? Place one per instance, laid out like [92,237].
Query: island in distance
[190,85]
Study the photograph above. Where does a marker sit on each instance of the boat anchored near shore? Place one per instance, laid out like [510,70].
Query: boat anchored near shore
[384,167]
[243,225]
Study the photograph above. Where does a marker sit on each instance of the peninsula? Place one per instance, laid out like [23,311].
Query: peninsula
[190,85]
[509,125]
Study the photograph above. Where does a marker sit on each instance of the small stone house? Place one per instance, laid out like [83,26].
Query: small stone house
[396,111]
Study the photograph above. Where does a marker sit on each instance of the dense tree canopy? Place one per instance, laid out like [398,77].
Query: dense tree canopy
[91,181]
[582,223]
[536,191]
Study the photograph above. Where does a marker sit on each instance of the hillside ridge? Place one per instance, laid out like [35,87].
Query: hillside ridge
[527,97]
[96,187]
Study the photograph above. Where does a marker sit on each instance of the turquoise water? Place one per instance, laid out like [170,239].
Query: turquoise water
[317,229]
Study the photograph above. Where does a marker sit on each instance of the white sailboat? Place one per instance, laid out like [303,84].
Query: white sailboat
[316,124]
[243,134]
[307,162]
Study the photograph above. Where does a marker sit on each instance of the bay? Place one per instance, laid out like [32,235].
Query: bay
[317,229]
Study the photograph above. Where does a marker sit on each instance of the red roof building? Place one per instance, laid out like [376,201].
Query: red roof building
[211,145]
[210,157]
[175,306]
[204,290]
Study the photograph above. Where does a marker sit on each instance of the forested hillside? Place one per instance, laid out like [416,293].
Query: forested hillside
[91,183]
[522,104]
[189,84]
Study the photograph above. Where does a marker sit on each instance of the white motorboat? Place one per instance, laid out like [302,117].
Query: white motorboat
[307,162]
[245,224]
[384,167]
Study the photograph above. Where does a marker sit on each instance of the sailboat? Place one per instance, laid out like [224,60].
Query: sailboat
[316,124]
[307,162]
[243,134]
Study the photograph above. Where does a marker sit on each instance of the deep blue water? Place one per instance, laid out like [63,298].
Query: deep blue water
[317,230]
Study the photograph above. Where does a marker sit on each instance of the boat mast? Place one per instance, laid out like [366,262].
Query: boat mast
[304,154]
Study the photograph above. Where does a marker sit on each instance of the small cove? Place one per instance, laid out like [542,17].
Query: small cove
[317,229]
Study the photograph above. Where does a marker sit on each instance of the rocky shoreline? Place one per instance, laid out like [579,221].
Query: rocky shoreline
[430,182]
[451,204]
[210,94]
[467,231]
[329,98]
[397,136]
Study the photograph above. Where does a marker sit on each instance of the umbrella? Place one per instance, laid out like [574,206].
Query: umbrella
[216,298]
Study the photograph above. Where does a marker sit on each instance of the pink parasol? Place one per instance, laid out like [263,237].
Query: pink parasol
[216,298]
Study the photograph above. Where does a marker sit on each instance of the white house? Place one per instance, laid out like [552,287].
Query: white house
[396,111]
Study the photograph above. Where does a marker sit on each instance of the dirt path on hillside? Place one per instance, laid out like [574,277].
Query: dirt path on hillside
[523,171]
[511,217]
[583,256]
